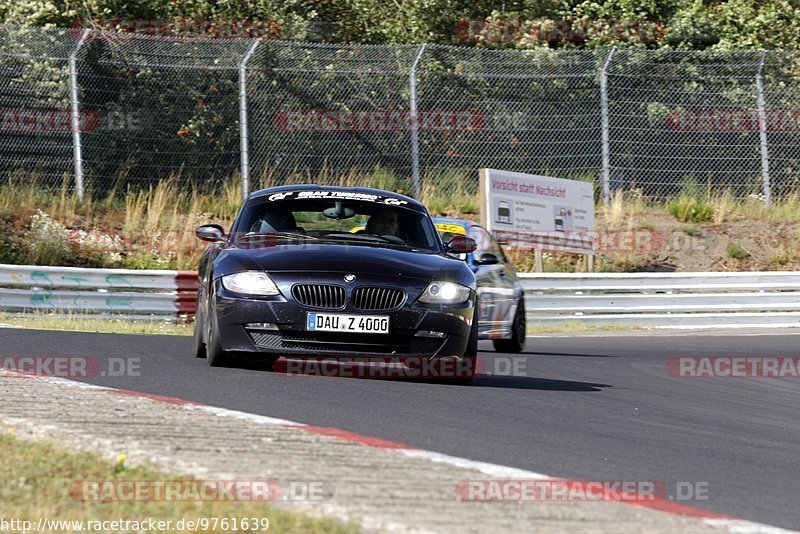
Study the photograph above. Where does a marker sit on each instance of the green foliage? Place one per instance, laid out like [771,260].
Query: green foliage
[692,231]
[689,209]
[757,25]
[737,252]
[387,180]
[11,250]
[684,24]
[291,15]
[781,258]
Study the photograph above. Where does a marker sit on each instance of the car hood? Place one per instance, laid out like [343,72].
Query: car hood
[343,259]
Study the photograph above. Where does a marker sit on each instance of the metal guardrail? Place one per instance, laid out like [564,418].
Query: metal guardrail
[118,292]
[667,300]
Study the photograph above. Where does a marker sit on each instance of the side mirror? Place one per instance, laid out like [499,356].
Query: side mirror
[460,244]
[487,258]
[213,233]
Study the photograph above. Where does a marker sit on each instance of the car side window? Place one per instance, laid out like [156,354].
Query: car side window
[485,241]
[498,250]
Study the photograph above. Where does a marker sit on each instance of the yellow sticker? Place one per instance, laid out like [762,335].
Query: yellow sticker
[451,228]
[440,226]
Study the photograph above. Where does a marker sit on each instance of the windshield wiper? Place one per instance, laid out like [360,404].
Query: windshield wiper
[374,238]
[288,235]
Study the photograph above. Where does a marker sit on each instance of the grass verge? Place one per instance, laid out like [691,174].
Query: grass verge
[36,479]
[119,326]
[575,327]
[82,323]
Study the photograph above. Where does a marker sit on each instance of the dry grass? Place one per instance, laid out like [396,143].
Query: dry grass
[615,213]
[623,209]
[719,208]
[782,210]
[450,194]
[157,223]
[722,207]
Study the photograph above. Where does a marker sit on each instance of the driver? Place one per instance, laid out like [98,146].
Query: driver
[275,220]
[384,223]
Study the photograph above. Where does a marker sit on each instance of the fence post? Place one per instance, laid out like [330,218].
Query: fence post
[605,171]
[412,104]
[75,115]
[762,131]
[243,137]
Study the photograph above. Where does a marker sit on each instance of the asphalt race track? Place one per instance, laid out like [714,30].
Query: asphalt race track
[589,408]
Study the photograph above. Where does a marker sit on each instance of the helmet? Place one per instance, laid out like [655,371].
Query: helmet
[275,220]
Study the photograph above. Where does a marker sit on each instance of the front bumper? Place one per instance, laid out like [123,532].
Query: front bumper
[276,326]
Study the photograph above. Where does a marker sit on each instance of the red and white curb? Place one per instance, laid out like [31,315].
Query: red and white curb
[721,521]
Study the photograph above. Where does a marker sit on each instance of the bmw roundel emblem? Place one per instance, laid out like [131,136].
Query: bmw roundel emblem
[349,277]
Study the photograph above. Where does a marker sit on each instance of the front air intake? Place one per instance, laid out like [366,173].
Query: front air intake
[321,296]
[377,298]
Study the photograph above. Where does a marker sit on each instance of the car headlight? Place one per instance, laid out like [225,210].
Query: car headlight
[445,293]
[250,283]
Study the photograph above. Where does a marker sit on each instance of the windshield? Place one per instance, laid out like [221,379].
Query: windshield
[336,220]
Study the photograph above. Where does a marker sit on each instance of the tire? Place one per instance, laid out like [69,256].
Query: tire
[470,356]
[199,343]
[517,341]
[215,356]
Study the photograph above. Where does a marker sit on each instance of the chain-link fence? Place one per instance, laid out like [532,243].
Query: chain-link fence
[94,111]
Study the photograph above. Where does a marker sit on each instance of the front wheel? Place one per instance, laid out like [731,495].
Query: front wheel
[215,356]
[469,361]
[517,341]
[199,343]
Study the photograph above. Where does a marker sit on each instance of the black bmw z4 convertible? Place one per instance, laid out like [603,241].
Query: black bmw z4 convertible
[293,280]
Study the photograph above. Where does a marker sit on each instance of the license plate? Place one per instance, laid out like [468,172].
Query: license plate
[336,322]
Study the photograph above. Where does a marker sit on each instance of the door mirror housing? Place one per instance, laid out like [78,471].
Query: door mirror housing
[487,258]
[213,233]
[460,244]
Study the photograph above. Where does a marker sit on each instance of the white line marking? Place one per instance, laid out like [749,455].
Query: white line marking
[244,416]
[495,470]
[742,526]
[663,333]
